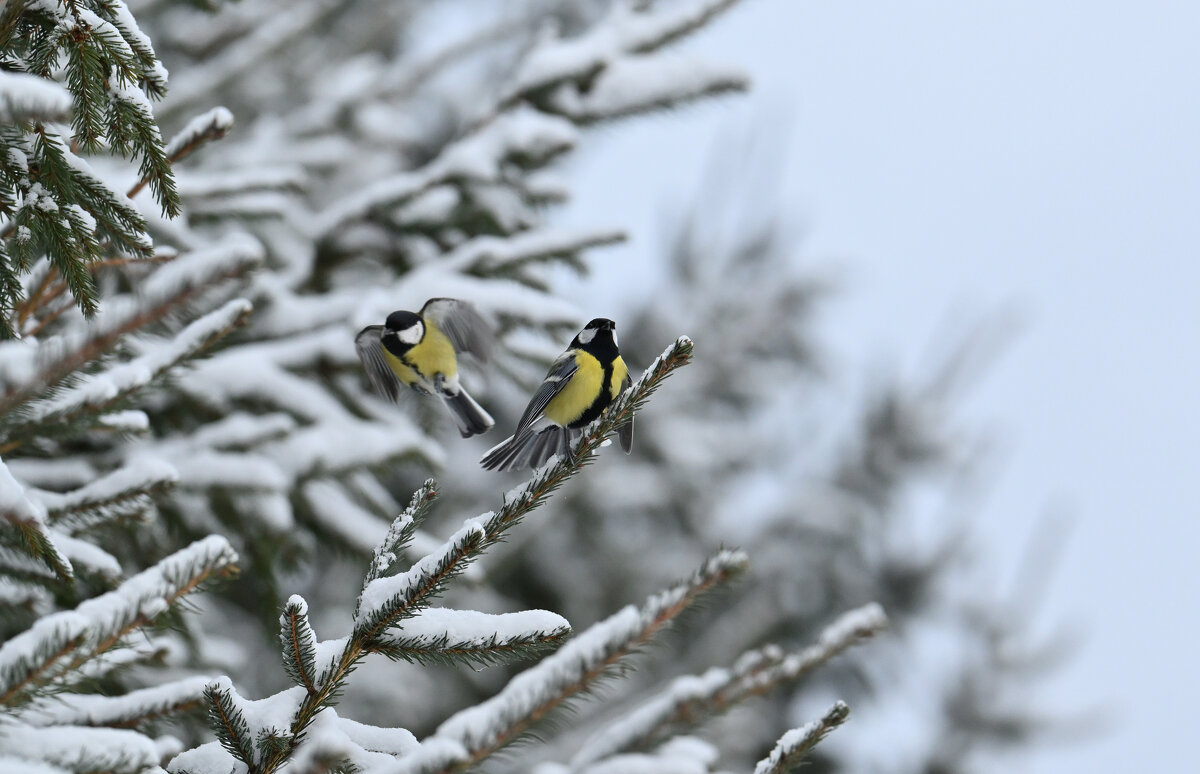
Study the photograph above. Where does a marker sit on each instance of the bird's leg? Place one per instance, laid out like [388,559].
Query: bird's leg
[439,384]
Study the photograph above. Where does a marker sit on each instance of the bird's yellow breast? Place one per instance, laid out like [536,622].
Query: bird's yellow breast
[583,387]
[432,355]
[619,372]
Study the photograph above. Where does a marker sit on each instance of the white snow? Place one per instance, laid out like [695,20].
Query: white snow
[81,218]
[86,556]
[96,710]
[242,179]
[246,471]
[217,120]
[488,723]
[624,31]
[805,735]
[489,253]
[381,591]
[471,628]
[394,741]
[365,746]
[521,131]
[242,429]
[12,764]
[100,389]
[135,476]
[73,747]
[622,733]
[275,712]
[635,83]
[129,26]
[349,443]
[96,620]
[853,624]
[198,268]
[271,509]
[15,594]
[480,726]
[129,421]
[117,199]
[205,759]
[681,755]
[25,96]
[15,506]
[337,513]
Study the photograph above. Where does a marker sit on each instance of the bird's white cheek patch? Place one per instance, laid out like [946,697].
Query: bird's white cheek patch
[586,335]
[614,335]
[412,335]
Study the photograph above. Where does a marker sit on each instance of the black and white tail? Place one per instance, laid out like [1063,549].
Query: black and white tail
[529,448]
[468,415]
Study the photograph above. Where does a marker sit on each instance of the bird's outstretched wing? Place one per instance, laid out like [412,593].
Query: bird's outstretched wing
[370,352]
[554,383]
[462,324]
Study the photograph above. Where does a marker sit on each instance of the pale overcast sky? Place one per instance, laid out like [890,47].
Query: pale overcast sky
[981,155]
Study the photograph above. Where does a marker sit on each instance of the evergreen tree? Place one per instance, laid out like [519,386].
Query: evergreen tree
[180,402]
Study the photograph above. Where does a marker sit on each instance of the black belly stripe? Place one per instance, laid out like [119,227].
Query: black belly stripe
[600,403]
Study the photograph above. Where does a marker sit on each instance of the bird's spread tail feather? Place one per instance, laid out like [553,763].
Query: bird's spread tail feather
[468,415]
[528,449]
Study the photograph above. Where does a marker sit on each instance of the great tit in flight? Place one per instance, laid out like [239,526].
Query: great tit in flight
[421,350]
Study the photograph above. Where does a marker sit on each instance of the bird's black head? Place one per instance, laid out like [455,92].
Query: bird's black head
[399,321]
[600,323]
[598,337]
[401,331]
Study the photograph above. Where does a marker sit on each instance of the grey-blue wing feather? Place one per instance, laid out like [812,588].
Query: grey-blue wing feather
[370,352]
[556,380]
[462,324]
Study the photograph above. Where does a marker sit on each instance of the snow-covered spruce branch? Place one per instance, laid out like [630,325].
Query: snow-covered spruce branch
[171,287]
[28,98]
[26,748]
[444,636]
[615,57]
[201,130]
[27,518]
[641,84]
[125,711]
[525,135]
[126,492]
[58,644]
[100,392]
[849,629]
[692,699]
[476,733]
[793,746]
[204,128]
[399,535]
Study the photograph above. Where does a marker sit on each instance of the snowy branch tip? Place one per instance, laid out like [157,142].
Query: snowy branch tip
[798,742]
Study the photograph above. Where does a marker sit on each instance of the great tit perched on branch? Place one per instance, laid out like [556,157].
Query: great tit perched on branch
[581,383]
[421,349]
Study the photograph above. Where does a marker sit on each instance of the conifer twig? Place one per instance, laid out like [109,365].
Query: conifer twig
[793,746]
[169,288]
[690,700]
[476,733]
[41,653]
